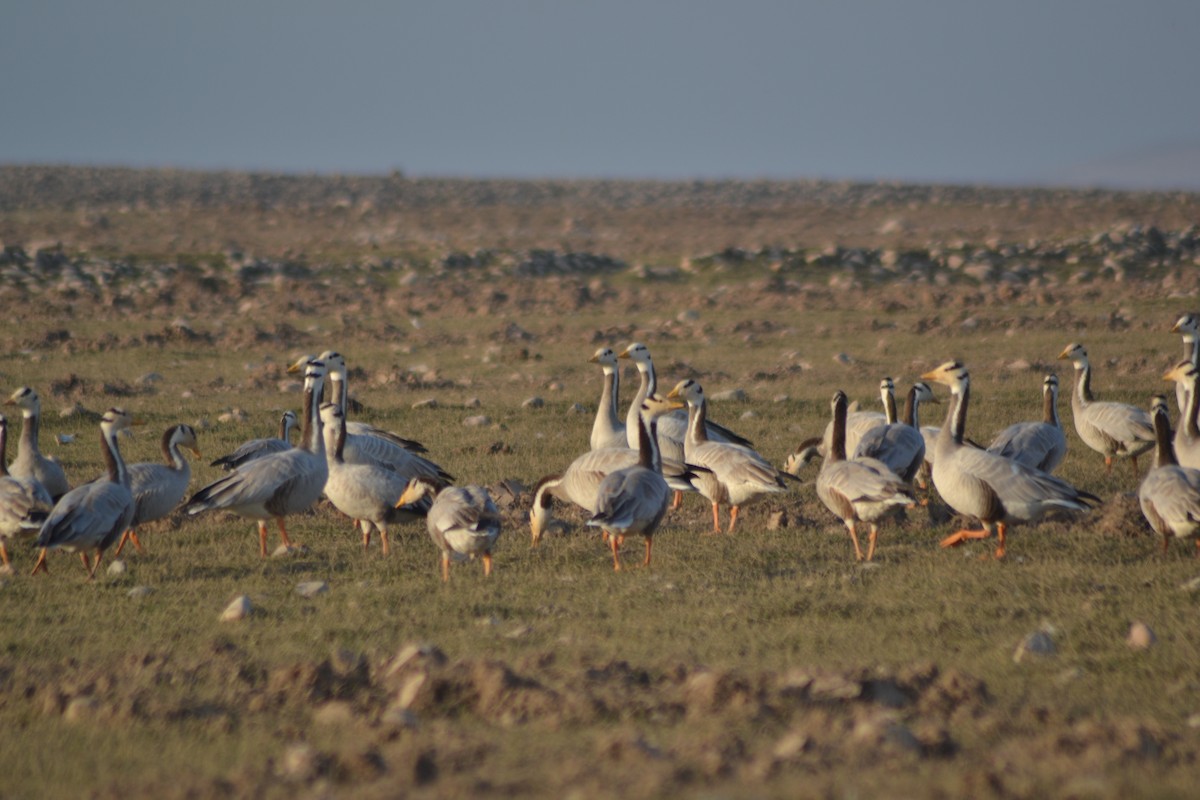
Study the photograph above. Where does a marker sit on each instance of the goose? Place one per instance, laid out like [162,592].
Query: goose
[1170,494]
[23,504]
[899,445]
[364,492]
[998,491]
[1187,438]
[736,474]
[366,444]
[1188,325]
[859,489]
[463,521]
[1115,430]
[93,515]
[1041,445]
[257,448]
[579,484]
[30,463]
[158,488]
[858,423]
[608,430]
[634,500]
[278,484]
[672,428]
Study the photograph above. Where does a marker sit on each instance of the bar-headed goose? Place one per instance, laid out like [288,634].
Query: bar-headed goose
[995,490]
[30,463]
[1188,325]
[608,430]
[92,516]
[1041,445]
[900,444]
[158,488]
[1170,493]
[1115,430]
[23,503]
[257,448]
[463,521]
[1187,438]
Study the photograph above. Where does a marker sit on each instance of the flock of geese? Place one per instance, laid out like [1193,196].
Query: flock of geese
[637,468]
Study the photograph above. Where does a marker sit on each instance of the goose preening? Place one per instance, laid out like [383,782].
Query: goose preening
[279,484]
[257,448]
[1188,325]
[634,500]
[899,444]
[580,483]
[365,492]
[1170,493]
[736,474]
[367,444]
[158,488]
[1041,445]
[30,463]
[23,504]
[1187,438]
[608,430]
[463,521]
[860,489]
[1115,430]
[997,491]
[672,428]
[92,516]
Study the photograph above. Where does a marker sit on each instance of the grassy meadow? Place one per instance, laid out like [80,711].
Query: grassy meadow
[767,663]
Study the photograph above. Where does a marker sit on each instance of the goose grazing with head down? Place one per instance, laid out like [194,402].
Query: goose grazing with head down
[363,491]
[634,500]
[158,488]
[1115,430]
[1187,438]
[463,521]
[1188,325]
[608,430]
[736,474]
[672,428]
[257,448]
[1170,494]
[92,516]
[23,504]
[995,490]
[278,484]
[1041,445]
[900,445]
[859,489]
[30,463]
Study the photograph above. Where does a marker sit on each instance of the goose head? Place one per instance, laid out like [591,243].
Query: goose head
[838,402]
[639,353]
[27,400]
[1077,353]
[1050,385]
[298,366]
[1188,324]
[335,365]
[925,394]
[118,421]
[185,436]
[689,391]
[605,357]
[1183,372]
[656,405]
[417,488]
[952,374]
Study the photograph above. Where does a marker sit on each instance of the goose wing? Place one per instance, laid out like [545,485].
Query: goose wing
[250,451]
[282,483]
[1170,500]
[901,447]
[1024,492]
[1120,422]
[1034,444]
[631,498]
[365,429]
[88,516]
[156,490]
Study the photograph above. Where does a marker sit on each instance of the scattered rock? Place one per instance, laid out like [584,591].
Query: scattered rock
[1037,644]
[533,402]
[239,609]
[81,708]
[301,762]
[333,713]
[578,408]
[1141,637]
[311,588]
[777,520]
[734,395]
[139,592]
[478,421]
[117,567]
[431,402]
[289,550]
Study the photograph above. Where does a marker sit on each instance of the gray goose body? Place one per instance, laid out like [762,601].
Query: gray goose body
[257,448]
[30,463]
[1170,494]
[279,484]
[995,490]
[463,521]
[1041,445]
[898,444]
[366,492]
[1115,430]
[608,430]
[735,474]
[92,516]
[23,503]
[860,489]
[158,488]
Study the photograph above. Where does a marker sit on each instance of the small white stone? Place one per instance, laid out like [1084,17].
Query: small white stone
[312,588]
[117,567]
[478,421]
[1038,643]
[429,402]
[139,592]
[735,395]
[285,550]
[533,402]
[1141,637]
[239,609]
[80,708]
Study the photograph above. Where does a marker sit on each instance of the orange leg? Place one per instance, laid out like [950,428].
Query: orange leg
[649,543]
[871,541]
[733,514]
[283,532]
[128,536]
[445,566]
[716,519]
[87,563]
[1167,542]
[678,501]
[1108,465]
[614,542]
[1000,529]
[853,526]
[487,565]
[958,537]
[366,532]
[4,556]
[96,563]
[41,563]
[262,538]
[383,540]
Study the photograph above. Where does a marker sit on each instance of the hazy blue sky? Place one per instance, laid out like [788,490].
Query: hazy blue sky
[959,90]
